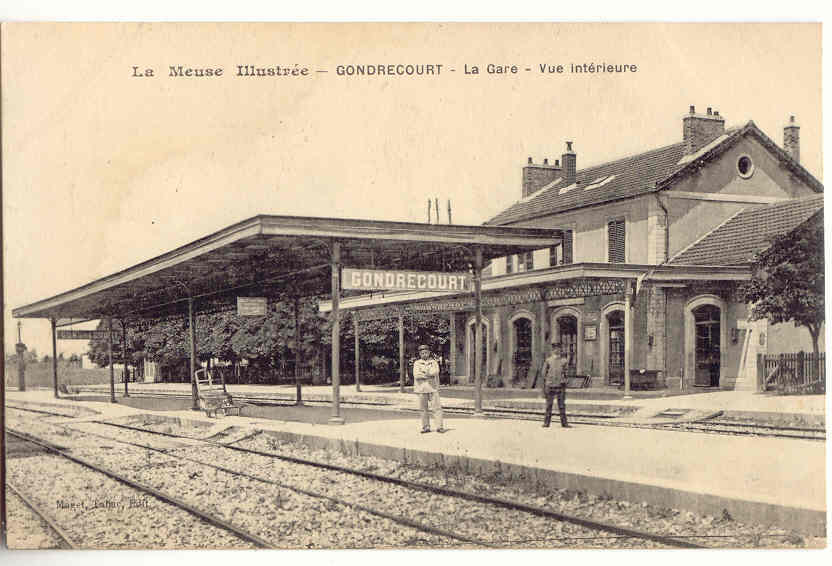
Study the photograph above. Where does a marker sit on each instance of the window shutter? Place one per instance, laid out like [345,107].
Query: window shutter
[567,246]
[616,239]
[528,259]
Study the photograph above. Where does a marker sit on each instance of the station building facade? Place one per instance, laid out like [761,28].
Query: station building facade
[654,247]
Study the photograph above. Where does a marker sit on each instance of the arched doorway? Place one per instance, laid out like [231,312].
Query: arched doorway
[705,340]
[470,343]
[707,345]
[615,347]
[522,348]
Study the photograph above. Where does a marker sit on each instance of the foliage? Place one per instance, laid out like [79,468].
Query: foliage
[263,340]
[787,283]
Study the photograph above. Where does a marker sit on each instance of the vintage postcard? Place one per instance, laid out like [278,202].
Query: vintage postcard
[413,286]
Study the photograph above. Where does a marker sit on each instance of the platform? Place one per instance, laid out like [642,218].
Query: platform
[764,480]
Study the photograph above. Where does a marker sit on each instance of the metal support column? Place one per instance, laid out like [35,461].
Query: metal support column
[401,353]
[298,396]
[357,355]
[336,334]
[628,335]
[20,348]
[55,357]
[478,333]
[124,355]
[110,358]
[192,349]
[452,353]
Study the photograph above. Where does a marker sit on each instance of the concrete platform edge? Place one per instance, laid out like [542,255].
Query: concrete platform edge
[806,521]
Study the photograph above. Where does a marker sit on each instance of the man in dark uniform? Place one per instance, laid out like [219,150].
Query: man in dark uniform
[554,383]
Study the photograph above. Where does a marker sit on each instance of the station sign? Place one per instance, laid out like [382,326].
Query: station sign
[399,280]
[84,334]
[251,306]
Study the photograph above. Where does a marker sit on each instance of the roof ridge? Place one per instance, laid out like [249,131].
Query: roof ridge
[709,232]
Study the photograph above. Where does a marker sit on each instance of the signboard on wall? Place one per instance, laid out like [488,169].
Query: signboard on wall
[251,306]
[84,334]
[400,280]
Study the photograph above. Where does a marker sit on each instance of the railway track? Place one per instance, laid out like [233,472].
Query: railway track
[476,505]
[37,528]
[143,489]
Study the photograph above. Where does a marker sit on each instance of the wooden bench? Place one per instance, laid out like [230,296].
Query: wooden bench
[212,394]
[644,379]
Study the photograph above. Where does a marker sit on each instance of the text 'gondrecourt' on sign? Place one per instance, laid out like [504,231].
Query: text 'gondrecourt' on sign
[395,280]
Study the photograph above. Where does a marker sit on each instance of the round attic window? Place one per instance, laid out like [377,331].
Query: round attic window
[745,167]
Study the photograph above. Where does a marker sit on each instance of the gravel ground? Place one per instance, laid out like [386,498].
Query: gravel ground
[249,501]
[26,530]
[99,512]
[282,516]
[495,525]
[712,531]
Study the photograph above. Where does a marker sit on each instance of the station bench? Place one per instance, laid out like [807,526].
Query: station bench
[213,396]
[644,379]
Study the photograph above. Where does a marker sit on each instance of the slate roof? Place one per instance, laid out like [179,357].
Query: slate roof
[643,173]
[735,241]
[633,175]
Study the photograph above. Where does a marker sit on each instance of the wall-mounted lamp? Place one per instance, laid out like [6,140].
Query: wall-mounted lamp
[734,334]
[650,340]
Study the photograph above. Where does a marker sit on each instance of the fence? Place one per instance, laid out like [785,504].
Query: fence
[792,373]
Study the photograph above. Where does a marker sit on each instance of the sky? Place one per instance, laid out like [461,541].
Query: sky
[103,169]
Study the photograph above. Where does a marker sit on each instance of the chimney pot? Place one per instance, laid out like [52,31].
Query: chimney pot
[535,177]
[699,130]
[791,139]
[692,109]
[570,161]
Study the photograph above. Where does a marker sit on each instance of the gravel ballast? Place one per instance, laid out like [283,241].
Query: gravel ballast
[294,520]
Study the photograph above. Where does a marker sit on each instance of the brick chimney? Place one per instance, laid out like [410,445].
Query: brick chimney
[698,130]
[537,176]
[791,139]
[570,161]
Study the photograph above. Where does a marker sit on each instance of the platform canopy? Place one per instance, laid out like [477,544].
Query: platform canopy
[270,255]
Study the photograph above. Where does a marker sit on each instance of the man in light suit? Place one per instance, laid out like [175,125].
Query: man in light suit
[554,383]
[426,384]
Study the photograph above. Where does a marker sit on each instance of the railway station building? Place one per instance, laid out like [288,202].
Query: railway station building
[654,246]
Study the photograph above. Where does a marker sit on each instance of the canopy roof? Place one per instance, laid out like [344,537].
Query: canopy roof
[269,255]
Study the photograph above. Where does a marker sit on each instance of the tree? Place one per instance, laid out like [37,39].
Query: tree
[787,282]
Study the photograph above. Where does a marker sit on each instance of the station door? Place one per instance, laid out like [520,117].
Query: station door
[708,330]
[522,328]
[615,369]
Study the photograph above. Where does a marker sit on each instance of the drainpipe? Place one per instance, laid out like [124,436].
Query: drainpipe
[666,228]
